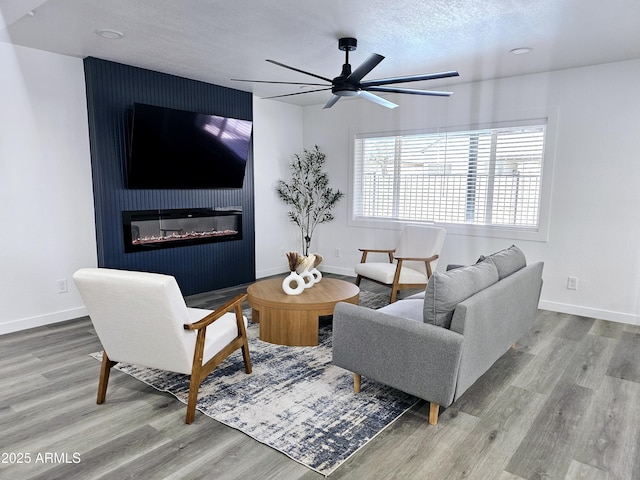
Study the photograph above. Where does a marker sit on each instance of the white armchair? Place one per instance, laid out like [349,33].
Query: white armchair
[410,263]
[141,318]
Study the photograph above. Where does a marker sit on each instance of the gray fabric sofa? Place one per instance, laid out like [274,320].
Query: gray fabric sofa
[436,344]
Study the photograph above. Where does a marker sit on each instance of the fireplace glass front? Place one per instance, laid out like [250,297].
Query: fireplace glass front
[154,229]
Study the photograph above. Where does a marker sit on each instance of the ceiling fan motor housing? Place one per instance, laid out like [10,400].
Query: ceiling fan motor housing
[341,86]
[344,89]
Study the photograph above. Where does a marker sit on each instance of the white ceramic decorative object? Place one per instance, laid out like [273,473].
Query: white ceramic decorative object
[293,284]
[313,268]
[303,269]
[307,278]
[317,275]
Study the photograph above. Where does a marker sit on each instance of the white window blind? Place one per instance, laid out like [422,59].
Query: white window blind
[481,177]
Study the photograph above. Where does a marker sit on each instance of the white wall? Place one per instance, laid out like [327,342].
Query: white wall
[594,223]
[277,135]
[47,224]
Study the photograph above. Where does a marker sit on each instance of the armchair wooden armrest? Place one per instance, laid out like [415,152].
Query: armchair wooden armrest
[427,263]
[420,259]
[365,251]
[233,304]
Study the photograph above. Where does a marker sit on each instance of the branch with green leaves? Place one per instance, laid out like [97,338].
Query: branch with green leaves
[308,193]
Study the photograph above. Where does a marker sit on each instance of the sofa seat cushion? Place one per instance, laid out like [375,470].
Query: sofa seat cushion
[384,273]
[446,289]
[507,261]
[417,295]
[407,308]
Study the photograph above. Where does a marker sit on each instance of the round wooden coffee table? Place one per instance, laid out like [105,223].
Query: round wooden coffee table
[293,319]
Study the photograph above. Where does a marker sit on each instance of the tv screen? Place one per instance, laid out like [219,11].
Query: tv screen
[179,149]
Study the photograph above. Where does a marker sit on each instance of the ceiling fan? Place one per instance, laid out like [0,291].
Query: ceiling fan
[349,83]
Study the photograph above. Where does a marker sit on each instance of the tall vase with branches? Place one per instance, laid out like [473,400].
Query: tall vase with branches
[308,194]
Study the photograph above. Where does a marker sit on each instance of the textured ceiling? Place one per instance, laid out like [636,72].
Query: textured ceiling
[217,40]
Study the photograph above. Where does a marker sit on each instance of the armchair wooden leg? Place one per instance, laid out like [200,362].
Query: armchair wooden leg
[105,369]
[194,386]
[357,379]
[196,376]
[396,281]
[394,293]
[434,409]
[242,332]
[358,279]
[246,357]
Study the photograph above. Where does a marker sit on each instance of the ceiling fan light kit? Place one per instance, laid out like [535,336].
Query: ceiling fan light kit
[349,83]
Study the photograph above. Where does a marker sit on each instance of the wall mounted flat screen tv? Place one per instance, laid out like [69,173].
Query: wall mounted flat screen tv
[177,149]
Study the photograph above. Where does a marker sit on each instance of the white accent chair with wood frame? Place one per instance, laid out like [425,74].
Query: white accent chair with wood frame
[141,318]
[410,263]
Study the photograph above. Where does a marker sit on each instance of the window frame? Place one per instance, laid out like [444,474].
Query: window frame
[493,231]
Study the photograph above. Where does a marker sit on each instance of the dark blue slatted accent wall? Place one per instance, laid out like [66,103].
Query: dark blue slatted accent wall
[112,89]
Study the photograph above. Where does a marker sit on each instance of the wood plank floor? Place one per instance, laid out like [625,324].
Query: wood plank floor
[565,404]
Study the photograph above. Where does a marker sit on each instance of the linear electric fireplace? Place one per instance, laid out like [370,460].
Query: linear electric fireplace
[154,229]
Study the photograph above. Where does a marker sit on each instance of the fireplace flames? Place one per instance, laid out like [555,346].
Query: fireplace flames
[176,236]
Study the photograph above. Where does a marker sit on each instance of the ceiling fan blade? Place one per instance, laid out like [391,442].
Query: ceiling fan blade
[364,68]
[376,99]
[433,93]
[412,78]
[298,70]
[332,101]
[283,83]
[298,93]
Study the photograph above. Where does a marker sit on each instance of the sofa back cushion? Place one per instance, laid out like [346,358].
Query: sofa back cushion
[507,261]
[446,289]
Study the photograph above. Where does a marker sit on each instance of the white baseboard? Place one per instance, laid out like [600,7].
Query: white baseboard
[41,320]
[338,270]
[590,312]
[271,271]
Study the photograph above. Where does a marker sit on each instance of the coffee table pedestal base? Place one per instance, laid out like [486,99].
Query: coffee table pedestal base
[288,327]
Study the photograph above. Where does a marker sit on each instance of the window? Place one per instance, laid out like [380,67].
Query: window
[487,177]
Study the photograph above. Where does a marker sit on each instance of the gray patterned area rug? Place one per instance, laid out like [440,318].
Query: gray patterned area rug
[295,401]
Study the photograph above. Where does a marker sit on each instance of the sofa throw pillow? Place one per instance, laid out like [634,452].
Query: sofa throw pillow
[508,261]
[446,289]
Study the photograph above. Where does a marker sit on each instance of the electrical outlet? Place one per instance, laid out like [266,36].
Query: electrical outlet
[62,286]
[338,252]
[572,283]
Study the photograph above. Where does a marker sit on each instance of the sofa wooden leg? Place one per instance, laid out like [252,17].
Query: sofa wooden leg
[356,382]
[434,409]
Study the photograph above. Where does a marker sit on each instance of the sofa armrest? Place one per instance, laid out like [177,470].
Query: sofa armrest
[494,319]
[415,357]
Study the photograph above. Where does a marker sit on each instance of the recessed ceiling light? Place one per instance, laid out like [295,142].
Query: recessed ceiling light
[521,50]
[109,34]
